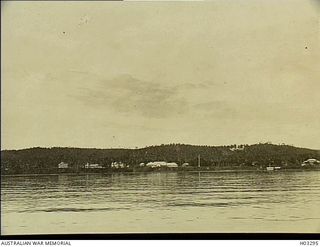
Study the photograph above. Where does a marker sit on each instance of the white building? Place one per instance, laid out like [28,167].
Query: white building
[92,166]
[63,165]
[157,164]
[185,164]
[172,165]
[118,165]
[310,162]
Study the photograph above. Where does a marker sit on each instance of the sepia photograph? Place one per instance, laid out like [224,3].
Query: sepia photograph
[160,117]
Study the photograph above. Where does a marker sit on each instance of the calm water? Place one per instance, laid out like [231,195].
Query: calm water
[162,202]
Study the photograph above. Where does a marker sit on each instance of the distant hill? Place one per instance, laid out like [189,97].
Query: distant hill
[42,160]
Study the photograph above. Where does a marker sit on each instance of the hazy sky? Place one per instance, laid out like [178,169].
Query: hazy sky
[127,74]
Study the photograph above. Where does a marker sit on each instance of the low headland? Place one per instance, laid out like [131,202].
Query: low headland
[171,157]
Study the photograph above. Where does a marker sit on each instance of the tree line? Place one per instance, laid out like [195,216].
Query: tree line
[43,160]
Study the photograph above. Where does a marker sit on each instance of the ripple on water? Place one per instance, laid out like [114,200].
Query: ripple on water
[215,201]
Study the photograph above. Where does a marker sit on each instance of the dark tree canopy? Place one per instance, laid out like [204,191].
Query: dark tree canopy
[42,160]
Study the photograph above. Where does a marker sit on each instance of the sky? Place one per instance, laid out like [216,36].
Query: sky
[133,74]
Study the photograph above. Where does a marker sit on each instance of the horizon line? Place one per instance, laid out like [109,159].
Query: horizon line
[158,145]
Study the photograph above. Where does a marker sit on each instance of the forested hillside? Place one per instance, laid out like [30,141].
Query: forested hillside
[42,160]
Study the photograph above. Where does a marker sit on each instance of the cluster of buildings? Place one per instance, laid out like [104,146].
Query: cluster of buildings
[163,164]
[121,165]
[158,164]
[306,163]
[118,165]
[64,165]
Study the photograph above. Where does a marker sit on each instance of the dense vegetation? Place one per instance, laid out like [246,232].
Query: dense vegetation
[46,160]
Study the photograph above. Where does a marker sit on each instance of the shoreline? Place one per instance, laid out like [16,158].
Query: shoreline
[154,171]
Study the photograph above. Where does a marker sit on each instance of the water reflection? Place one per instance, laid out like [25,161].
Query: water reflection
[201,201]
